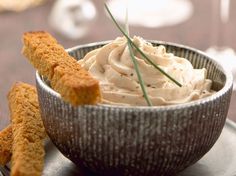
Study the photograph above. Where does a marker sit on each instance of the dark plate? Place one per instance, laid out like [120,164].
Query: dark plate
[219,161]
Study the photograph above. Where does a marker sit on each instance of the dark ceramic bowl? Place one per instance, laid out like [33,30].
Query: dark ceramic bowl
[117,140]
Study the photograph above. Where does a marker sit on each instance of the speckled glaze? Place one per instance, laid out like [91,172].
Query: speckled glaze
[117,140]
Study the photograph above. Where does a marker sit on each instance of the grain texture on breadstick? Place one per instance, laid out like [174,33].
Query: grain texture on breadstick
[5,145]
[27,131]
[67,77]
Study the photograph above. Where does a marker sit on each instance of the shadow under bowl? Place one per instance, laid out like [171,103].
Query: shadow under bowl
[117,140]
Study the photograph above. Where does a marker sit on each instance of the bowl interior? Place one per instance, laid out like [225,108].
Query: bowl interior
[198,59]
[221,78]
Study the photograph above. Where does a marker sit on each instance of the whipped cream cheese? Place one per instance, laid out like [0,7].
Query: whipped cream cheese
[113,67]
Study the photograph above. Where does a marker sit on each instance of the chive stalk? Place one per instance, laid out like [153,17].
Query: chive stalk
[142,84]
[140,51]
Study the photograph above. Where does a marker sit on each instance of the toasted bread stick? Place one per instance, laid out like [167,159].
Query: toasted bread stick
[27,131]
[67,77]
[5,145]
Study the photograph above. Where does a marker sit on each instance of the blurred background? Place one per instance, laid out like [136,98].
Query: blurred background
[206,25]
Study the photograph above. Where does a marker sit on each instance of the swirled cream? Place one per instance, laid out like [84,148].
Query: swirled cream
[113,67]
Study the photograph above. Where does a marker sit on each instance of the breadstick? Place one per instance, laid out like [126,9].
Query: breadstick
[27,131]
[67,77]
[5,145]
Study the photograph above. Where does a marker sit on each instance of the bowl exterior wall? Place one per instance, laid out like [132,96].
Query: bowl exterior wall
[130,140]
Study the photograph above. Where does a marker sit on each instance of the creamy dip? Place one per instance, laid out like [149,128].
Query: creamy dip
[113,67]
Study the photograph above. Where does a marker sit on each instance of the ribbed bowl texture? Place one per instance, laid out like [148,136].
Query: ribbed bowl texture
[119,140]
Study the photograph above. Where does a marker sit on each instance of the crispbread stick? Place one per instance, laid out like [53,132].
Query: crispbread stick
[67,77]
[5,145]
[27,131]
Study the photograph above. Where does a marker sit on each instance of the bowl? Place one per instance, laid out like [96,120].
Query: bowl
[119,140]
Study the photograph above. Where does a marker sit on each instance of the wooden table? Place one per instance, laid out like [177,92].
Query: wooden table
[195,32]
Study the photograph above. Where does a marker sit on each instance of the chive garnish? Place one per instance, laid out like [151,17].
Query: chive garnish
[139,50]
[138,74]
[142,84]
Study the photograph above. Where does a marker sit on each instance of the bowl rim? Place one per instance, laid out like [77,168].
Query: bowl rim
[227,86]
